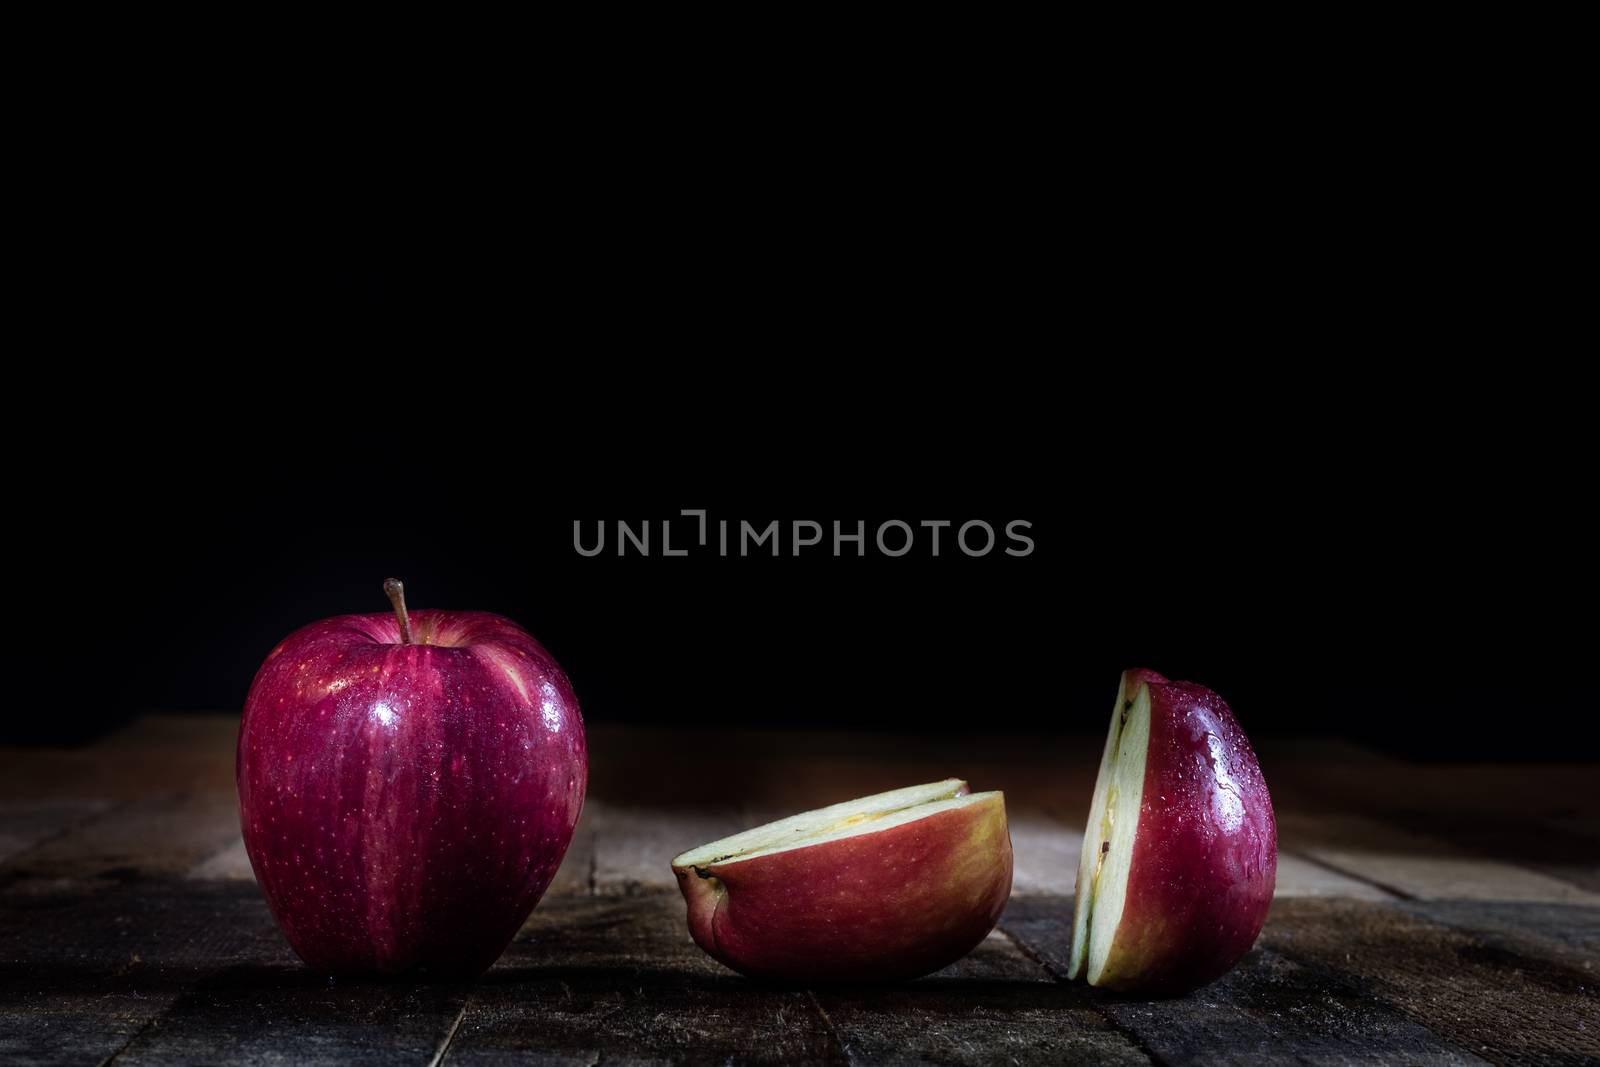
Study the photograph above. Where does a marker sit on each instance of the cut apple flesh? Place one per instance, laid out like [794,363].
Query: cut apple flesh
[1108,837]
[867,815]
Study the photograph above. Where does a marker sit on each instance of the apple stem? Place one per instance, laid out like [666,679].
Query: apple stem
[396,592]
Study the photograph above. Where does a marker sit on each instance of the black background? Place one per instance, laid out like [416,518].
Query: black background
[1418,600]
[1280,427]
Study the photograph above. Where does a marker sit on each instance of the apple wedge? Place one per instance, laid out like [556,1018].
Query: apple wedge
[1180,852]
[886,888]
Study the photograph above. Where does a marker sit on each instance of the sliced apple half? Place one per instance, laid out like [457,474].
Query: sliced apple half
[1180,850]
[885,888]
[1113,818]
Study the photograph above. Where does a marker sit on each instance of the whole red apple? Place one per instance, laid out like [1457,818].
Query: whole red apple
[408,785]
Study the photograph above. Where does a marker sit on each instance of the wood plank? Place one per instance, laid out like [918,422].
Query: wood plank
[1301,877]
[634,846]
[154,755]
[576,873]
[1506,1002]
[230,864]
[124,898]
[996,1006]
[1268,1009]
[25,823]
[1568,934]
[153,837]
[1416,865]
[618,978]
[1568,855]
[1044,853]
[282,1015]
[82,972]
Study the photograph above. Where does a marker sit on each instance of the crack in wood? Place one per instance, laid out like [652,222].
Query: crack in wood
[1357,875]
[16,864]
[1131,1036]
[450,1036]
[136,1035]
[827,1020]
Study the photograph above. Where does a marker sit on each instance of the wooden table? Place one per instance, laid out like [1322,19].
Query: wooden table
[1425,914]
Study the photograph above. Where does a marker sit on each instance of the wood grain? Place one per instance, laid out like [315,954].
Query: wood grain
[634,846]
[1417,920]
[281,1015]
[25,823]
[84,970]
[996,1006]
[1416,865]
[617,978]
[157,836]
[1269,1009]
[1503,998]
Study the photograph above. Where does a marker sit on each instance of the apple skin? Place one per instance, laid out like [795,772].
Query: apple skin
[405,806]
[878,907]
[1205,856]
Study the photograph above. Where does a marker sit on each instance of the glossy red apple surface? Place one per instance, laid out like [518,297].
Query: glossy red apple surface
[406,799]
[885,888]
[1180,854]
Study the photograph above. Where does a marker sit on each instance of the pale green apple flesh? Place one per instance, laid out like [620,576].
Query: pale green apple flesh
[1106,859]
[866,815]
